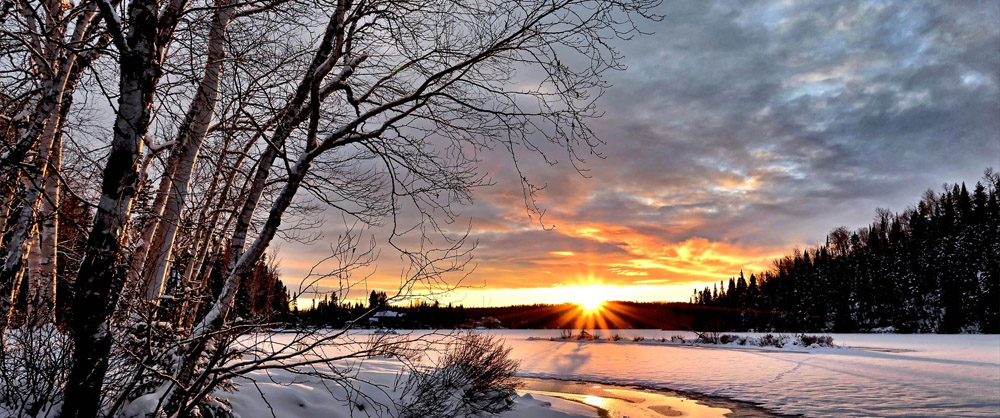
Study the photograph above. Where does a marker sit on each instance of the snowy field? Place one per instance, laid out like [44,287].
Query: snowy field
[868,375]
[935,375]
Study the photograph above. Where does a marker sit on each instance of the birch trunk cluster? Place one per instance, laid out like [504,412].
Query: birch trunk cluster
[152,151]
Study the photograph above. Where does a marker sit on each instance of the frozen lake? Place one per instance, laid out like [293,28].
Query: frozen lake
[867,375]
[893,375]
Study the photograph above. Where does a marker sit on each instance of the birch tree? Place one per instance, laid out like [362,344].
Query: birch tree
[250,115]
[53,42]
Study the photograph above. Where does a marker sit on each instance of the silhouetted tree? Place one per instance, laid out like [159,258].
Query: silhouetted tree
[932,268]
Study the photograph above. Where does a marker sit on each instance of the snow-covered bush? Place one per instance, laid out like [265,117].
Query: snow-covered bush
[474,378]
[819,340]
[770,340]
[766,340]
[34,365]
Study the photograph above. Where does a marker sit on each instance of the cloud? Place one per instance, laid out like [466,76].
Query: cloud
[744,128]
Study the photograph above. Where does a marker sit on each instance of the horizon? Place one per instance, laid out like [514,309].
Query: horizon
[571,292]
[738,133]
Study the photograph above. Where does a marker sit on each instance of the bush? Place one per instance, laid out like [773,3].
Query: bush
[616,337]
[475,377]
[769,340]
[819,340]
[34,365]
[565,334]
[732,338]
[637,339]
[676,338]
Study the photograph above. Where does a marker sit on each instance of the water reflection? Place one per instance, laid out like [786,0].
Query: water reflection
[594,401]
[621,402]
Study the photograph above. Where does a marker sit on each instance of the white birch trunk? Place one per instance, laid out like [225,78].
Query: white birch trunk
[19,246]
[192,133]
[42,287]
[43,130]
[102,271]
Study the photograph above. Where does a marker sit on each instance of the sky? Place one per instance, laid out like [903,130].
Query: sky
[739,131]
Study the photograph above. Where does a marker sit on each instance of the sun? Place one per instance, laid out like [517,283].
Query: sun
[589,301]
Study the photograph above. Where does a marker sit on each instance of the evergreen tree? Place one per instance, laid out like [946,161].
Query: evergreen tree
[932,268]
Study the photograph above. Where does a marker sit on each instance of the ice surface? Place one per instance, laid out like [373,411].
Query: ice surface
[893,375]
[927,375]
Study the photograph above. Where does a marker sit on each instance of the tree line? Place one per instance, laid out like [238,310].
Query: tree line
[935,267]
[330,311]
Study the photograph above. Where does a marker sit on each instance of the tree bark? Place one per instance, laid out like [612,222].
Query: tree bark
[101,272]
[19,245]
[42,287]
[141,253]
[192,134]
[8,198]
[65,70]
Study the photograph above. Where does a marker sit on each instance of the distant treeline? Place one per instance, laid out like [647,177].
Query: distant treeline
[935,267]
[331,312]
[613,315]
[617,315]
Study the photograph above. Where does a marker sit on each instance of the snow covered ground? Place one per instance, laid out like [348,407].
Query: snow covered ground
[928,375]
[280,394]
[883,375]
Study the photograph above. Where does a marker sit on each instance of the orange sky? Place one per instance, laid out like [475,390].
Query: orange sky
[517,261]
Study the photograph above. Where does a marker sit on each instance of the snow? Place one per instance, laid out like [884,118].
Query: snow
[929,375]
[279,393]
[867,375]
[544,406]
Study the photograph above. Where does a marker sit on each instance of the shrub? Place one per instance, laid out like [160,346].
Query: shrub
[819,340]
[475,377]
[565,334]
[34,365]
[616,337]
[676,338]
[769,340]
[637,339]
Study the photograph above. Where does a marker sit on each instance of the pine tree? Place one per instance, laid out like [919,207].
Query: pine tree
[933,268]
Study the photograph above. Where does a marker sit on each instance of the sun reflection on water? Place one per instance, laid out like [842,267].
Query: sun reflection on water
[594,401]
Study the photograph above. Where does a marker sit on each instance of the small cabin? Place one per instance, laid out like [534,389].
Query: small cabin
[387,319]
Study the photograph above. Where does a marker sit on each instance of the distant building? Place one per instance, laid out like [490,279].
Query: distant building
[386,318]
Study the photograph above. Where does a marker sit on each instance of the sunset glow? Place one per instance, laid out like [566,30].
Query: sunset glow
[590,302]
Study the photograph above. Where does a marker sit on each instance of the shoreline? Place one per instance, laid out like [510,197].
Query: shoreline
[742,409]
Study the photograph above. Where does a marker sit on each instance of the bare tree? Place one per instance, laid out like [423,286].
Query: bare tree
[50,46]
[379,110]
